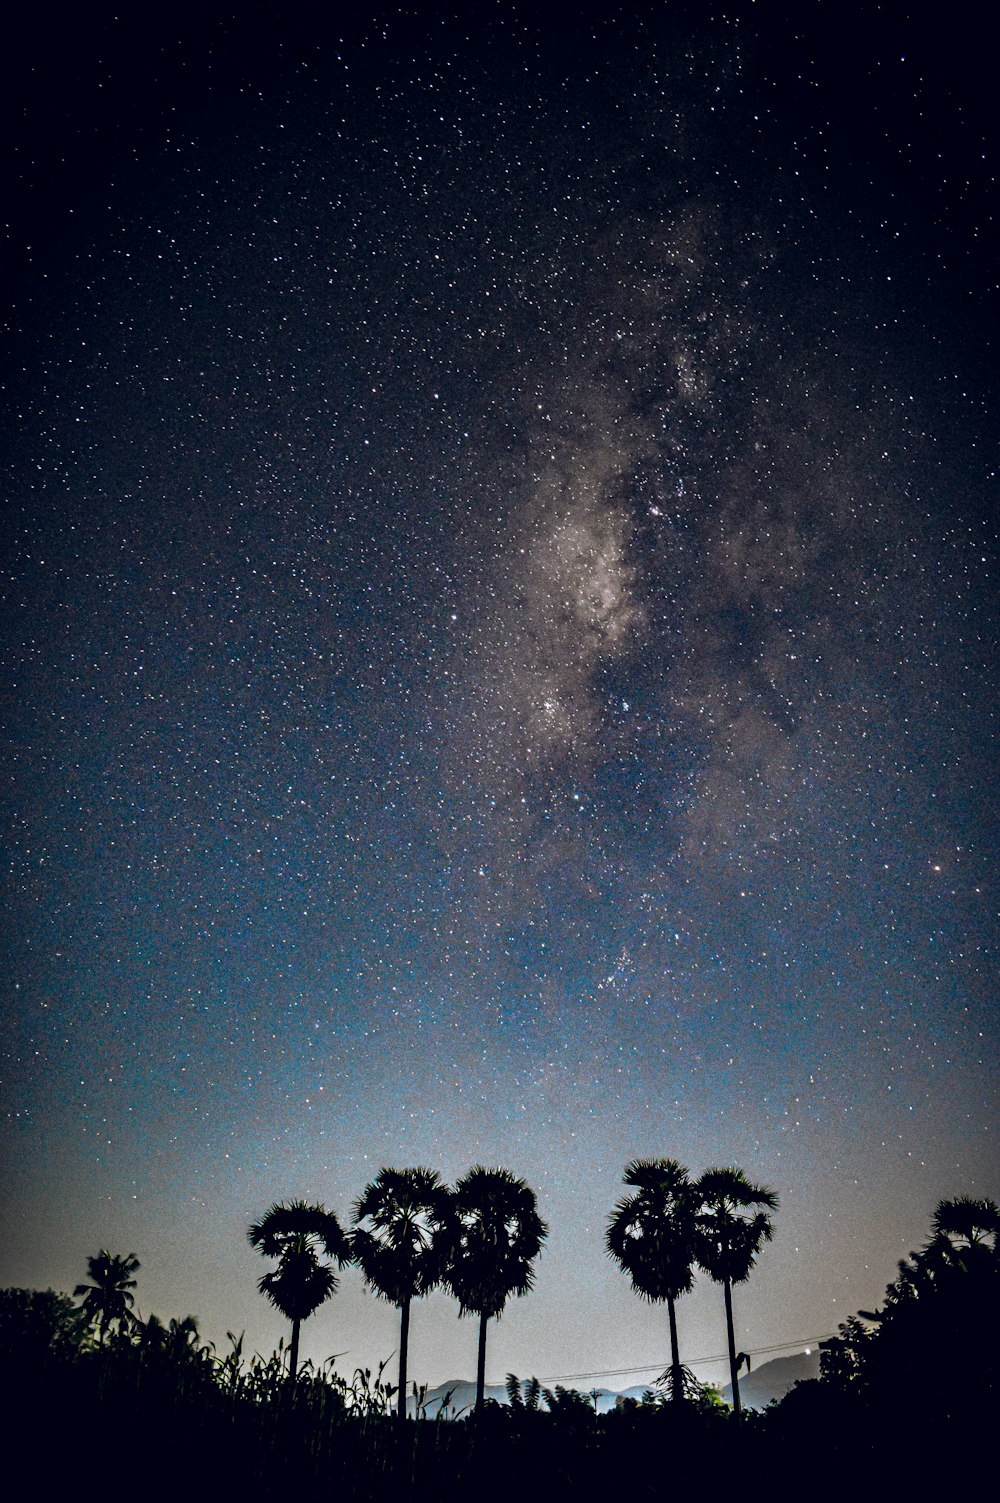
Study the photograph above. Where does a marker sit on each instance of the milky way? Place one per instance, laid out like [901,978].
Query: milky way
[498,648]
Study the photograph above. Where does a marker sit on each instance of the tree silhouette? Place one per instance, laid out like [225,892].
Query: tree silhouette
[41,1323]
[938,1322]
[299,1236]
[179,1341]
[109,1296]
[402,1240]
[651,1236]
[968,1230]
[732,1224]
[498,1234]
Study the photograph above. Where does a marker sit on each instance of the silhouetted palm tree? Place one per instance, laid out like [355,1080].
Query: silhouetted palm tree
[109,1297]
[299,1236]
[966,1229]
[402,1240]
[732,1225]
[498,1234]
[651,1237]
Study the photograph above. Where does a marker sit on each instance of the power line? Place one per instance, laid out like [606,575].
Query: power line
[659,1367]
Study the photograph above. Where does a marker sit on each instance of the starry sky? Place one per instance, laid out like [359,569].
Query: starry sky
[498,654]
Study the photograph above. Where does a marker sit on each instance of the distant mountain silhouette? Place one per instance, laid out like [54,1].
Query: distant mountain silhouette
[773,1379]
[463,1397]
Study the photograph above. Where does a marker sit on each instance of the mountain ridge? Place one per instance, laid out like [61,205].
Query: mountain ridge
[758,1388]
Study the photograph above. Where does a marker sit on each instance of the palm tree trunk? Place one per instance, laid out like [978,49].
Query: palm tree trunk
[481,1360]
[293,1356]
[733,1375]
[676,1376]
[404,1343]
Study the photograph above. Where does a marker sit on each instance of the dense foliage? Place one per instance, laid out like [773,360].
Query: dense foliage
[914,1384]
[156,1403]
[937,1332]
[904,1393]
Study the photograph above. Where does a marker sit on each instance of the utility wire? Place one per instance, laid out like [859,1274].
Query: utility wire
[623,1372]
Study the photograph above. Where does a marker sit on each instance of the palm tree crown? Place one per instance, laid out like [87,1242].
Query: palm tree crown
[300,1236]
[651,1237]
[109,1297]
[498,1234]
[651,1233]
[964,1223]
[732,1225]
[402,1240]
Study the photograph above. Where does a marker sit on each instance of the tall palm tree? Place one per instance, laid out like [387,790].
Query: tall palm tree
[498,1234]
[109,1297]
[651,1238]
[732,1225]
[402,1240]
[300,1236]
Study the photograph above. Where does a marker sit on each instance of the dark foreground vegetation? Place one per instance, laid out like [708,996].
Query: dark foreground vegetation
[114,1408]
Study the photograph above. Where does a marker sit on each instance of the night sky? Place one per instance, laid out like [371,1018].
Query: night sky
[498,653]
